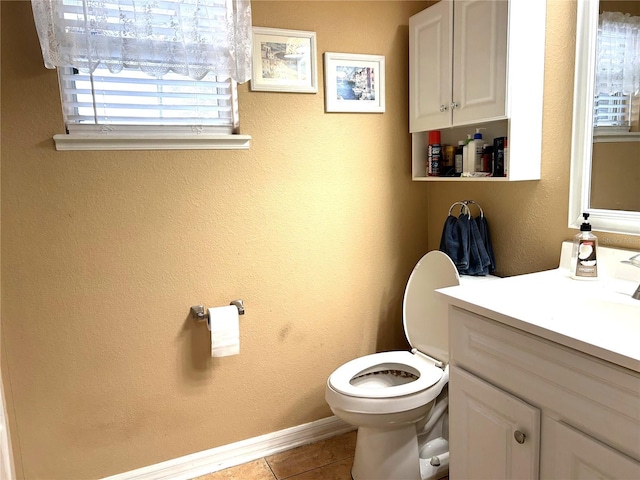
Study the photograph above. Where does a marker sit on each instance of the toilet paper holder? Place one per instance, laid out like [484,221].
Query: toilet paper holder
[201,314]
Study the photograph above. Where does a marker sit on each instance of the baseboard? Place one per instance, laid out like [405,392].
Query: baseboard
[219,458]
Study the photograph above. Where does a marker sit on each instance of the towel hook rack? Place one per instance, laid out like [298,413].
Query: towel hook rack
[473,202]
[201,314]
[464,209]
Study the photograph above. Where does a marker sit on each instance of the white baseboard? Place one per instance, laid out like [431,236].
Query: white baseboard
[219,458]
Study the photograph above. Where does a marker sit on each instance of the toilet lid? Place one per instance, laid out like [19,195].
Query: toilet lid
[425,316]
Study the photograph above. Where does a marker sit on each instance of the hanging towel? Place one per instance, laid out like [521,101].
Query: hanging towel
[483,227]
[466,241]
[455,240]
[479,260]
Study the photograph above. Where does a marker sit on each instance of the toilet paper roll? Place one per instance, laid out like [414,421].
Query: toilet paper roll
[224,325]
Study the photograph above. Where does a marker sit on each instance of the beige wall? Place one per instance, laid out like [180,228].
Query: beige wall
[316,227]
[615,181]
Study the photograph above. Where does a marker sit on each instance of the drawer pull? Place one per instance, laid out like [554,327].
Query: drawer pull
[519,436]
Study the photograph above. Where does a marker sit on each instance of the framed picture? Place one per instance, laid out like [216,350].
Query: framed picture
[284,61]
[353,82]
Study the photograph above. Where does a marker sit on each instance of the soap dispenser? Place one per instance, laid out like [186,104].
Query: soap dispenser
[584,263]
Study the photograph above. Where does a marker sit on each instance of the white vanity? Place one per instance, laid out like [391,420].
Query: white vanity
[545,374]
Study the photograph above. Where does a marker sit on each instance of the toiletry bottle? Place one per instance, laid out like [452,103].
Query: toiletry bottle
[447,169]
[434,153]
[506,156]
[584,262]
[478,145]
[498,156]
[468,156]
[487,158]
[458,158]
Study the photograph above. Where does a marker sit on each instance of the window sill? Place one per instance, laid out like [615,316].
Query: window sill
[152,142]
[613,135]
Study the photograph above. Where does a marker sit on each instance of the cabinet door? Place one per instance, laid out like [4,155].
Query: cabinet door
[430,76]
[492,434]
[572,455]
[479,60]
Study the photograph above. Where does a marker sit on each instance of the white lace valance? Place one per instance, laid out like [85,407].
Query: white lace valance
[618,54]
[188,37]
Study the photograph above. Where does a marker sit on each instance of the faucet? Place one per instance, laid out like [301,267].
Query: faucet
[635,261]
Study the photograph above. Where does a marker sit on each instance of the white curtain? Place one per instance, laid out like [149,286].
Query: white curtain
[188,37]
[618,54]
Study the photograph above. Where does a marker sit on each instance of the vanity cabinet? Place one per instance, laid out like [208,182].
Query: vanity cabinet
[580,415]
[497,434]
[478,64]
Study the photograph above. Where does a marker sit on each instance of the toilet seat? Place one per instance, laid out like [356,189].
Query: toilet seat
[401,361]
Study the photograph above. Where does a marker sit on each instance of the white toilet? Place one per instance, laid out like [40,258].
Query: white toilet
[398,400]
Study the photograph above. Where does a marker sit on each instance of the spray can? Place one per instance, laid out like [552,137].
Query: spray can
[434,154]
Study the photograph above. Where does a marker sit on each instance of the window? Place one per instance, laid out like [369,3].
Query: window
[147,73]
[617,69]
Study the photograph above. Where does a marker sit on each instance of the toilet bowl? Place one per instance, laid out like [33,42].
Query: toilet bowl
[398,400]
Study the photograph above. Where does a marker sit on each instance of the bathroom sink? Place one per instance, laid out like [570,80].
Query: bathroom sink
[599,317]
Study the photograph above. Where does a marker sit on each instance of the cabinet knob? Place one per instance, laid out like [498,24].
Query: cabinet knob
[454,105]
[519,436]
[443,108]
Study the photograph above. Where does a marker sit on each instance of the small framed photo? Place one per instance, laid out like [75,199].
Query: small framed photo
[353,82]
[284,61]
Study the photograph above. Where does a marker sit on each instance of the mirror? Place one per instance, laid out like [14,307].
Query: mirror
[580,196]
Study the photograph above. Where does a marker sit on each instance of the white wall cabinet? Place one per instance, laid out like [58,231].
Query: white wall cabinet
[497,435]
[589,416]
[478,63]
[458,52]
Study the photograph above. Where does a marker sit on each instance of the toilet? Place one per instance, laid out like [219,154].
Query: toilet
[398,400]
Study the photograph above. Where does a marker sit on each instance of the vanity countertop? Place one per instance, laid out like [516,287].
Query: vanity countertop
[598,318]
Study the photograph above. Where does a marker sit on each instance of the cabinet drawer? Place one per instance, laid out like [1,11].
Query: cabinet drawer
[600,399]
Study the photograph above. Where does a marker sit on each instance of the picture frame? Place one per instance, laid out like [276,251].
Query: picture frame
[354,82]
[284,61]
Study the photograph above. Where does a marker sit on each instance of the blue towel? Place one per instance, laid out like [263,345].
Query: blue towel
[466,241]
[479,260]
[483,226]
[455,240]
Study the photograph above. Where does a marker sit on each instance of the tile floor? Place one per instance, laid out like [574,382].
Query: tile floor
[329,459]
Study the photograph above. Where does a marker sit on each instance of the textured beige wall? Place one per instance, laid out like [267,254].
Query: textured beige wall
[316,227]
[615,184]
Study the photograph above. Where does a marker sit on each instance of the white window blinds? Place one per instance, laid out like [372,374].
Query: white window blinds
[131,97]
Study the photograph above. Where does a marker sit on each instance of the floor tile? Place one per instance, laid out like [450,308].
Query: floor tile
[336,471]
[309,457]
[256,470]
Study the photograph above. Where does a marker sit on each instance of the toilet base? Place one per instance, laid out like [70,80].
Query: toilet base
[389,453]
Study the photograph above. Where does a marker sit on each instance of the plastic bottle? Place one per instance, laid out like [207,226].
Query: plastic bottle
[458,158]
[506,156]
[447,169]
[434,153]
[584,262]
[487,158]
[498,156]
[478,144]
[468,157]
